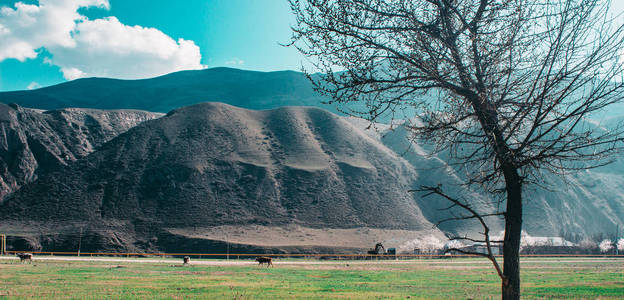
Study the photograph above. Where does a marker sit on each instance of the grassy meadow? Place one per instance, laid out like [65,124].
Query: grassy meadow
[459,278]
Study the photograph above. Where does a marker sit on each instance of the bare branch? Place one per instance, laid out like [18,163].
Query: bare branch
[428,191]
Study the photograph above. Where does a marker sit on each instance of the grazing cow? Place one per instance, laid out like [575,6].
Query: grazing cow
[264,259]
[24,256]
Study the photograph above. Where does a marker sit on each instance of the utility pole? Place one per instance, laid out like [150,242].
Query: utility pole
[2,244]
[80,241]
[227,242]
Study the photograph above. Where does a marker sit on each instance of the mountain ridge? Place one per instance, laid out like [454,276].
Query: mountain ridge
[242,88]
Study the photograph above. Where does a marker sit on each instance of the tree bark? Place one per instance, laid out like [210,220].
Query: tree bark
[513,231]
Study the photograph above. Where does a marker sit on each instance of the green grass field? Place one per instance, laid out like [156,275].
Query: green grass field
[443,279]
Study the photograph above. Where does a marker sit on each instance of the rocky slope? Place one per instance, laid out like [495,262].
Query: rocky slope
[583,202]
[33,142]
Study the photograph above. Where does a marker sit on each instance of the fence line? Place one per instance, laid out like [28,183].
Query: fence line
[301,255]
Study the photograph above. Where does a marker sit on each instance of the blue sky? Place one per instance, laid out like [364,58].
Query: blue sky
[46,42]
[237,33]
[227,31]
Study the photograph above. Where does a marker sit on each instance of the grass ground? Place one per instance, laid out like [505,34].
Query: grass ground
[449,279]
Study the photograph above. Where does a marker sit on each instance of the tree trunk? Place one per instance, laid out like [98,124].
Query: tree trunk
[513,231]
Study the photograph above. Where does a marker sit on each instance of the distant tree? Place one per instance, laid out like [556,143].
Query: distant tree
[598,237]
[588,245]
[513,84]
[574,237]
[606,246]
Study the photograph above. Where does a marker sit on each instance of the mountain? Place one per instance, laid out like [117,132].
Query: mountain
[247,89]
[212,169]
[287,179]
[33,142]
[584,202]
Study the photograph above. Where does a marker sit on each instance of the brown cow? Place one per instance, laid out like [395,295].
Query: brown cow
[24,256]
[264,259]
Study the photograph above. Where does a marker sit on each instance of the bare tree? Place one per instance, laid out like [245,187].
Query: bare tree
[504,86]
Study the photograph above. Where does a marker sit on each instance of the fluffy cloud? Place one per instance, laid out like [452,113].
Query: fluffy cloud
[84,48]
[27,28]
[106,47]
[33,85]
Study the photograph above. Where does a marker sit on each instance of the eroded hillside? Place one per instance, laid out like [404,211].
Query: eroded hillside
[213,164]
[33,142]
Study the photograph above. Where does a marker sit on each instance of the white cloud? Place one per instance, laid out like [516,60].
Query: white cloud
[33,85]
[27,28]
[235,61]
[71,73]
[83,48]
[108,48]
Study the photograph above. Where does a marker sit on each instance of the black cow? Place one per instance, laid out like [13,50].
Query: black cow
[24,256]
[264,259]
